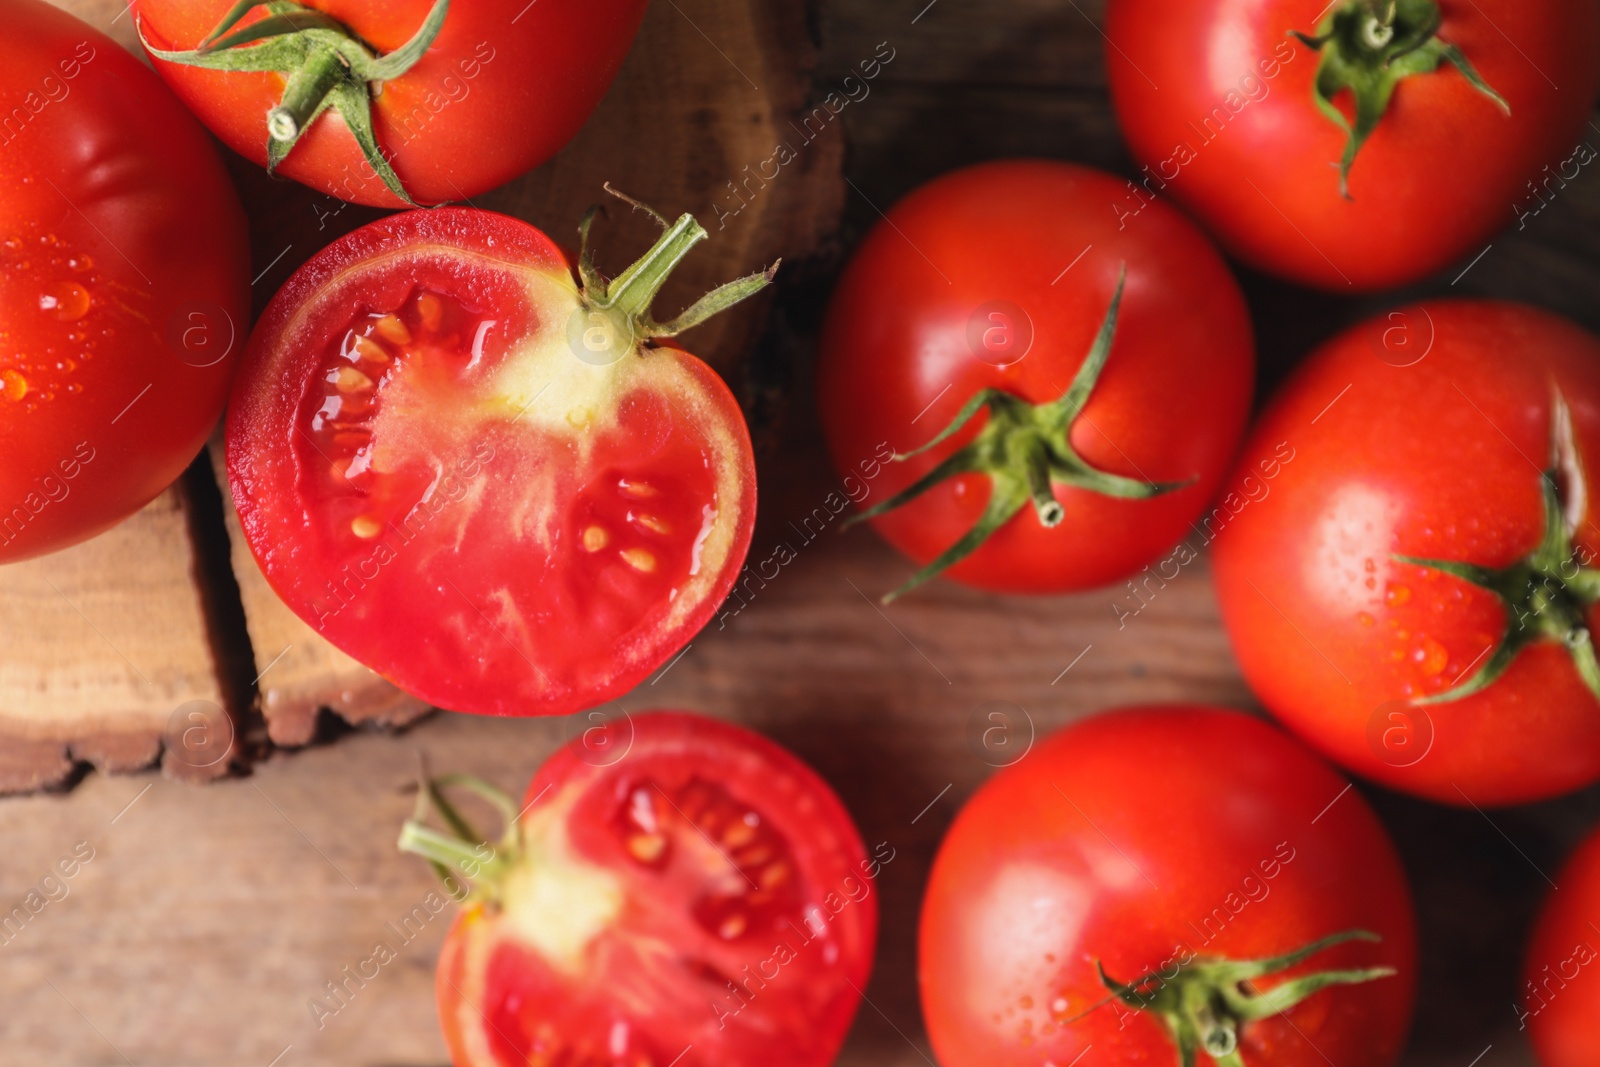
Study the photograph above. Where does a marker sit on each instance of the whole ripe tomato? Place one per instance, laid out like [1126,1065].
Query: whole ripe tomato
[124,284]
[394,102]
[1413,592]
[481,480]
[1257,132]
[1153,882]
[670,883]
[1561,982]
[1094,375]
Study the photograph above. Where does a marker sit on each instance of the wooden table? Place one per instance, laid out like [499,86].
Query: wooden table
[209,915]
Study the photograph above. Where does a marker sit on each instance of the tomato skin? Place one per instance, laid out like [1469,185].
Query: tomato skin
[118,221]
[471,594]
[504,86]
[895,365]
[796,1018]
[1445,170]
[1142,825]
[1561,991]
[1439,459]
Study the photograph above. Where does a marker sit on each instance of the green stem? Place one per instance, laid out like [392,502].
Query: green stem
[628,297]
[303,95]
[1036,464]
[443,849]
[634,290]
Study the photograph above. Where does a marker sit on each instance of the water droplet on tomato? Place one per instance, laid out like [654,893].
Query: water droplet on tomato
[1431,656]
[1364,619]
[68,301]
[1396,595]
[13,386]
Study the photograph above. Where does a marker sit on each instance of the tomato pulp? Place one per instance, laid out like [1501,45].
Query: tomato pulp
[1414,592]
[1162,876]
[124,283]
[1217,100]
[436,472]
[1065,391]
[671,883]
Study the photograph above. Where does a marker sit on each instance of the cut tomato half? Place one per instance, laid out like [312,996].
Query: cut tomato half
[480,478]
[687,885]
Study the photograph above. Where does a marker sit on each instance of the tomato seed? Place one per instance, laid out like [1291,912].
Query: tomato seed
[368,349]
[654,523]
[365,527]
[639,559]
[430,309]
[647,848]
[391,329]
[639,490]
[595,538]
[350,380]
[733,926]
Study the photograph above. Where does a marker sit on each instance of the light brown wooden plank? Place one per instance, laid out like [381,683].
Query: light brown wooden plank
[106,656]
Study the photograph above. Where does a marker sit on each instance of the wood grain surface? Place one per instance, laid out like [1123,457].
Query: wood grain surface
[106,657]
[207,919]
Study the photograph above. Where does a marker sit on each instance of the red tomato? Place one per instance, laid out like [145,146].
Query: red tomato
[1561,984]
[1173,853]
[672,883]
[1408,480]
[1005,277]
[437,474]
[1218,101]
[502,85]
[124,285]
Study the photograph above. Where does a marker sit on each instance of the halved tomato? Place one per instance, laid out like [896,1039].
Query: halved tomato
[671,883]
[482,480]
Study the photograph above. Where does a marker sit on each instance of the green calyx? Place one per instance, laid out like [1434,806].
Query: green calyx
[1026,451]
[1208,1002]
[1547,595]
[1369,47]
[616,310]
[325,64]
[470,865]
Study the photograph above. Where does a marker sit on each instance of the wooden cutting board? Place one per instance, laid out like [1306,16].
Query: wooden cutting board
[161,641]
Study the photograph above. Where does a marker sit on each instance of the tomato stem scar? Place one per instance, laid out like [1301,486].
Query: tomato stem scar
[1369,47]
[1207,1002]
[324,63]
[1548,593]
[1025,450]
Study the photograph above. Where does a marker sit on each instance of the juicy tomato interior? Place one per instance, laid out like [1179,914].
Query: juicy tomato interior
[669,902]
[470,508]
[398,395]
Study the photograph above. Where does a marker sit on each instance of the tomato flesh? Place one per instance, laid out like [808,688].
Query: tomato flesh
[465,504]
[647,914]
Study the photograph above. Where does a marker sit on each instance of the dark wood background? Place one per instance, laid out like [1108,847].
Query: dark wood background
[208,917]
